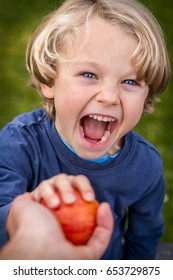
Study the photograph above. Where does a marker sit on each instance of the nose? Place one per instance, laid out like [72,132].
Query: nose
[108,95]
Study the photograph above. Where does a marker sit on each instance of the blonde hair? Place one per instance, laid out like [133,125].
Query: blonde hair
[56,33]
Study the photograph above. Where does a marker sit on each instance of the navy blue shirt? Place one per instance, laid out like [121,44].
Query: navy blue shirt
[132,183]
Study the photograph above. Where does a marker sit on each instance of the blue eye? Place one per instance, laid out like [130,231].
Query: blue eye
[130,82]
[88,75]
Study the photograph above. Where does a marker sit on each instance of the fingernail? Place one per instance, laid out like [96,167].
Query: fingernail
[69,198]
[53,202]
[89,196]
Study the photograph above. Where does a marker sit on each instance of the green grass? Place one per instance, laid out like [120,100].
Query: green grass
[17,21]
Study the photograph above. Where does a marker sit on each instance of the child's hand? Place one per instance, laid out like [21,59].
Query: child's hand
[65,184]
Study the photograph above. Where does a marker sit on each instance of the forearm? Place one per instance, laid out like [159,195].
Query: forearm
[14,249]
[23,246]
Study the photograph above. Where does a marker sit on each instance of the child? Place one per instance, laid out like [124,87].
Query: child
[98,66]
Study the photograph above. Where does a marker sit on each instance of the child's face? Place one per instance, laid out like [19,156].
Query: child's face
[97,98]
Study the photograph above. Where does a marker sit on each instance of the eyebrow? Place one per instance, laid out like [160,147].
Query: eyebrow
[90,63]
[94,64]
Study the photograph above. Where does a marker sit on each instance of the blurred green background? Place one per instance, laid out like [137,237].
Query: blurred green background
[18,19]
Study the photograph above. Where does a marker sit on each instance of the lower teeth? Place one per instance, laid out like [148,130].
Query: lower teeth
[105,136]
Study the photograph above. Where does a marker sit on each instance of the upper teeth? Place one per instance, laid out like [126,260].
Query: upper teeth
[102,118]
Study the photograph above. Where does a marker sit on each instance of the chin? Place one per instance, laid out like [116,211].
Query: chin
[90,155]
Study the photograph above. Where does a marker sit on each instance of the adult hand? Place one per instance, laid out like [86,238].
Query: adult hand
[35,234]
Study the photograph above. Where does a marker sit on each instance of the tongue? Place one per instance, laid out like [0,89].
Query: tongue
[93,129]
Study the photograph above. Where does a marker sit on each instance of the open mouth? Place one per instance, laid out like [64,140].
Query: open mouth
[97,128]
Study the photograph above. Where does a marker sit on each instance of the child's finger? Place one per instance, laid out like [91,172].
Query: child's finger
[46,191]
[66,185]
[62,182]
[83,184]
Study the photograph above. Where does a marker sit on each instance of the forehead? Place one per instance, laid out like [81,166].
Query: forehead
[101,38]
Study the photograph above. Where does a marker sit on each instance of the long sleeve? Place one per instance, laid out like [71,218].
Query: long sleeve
[15,171]
[145,222]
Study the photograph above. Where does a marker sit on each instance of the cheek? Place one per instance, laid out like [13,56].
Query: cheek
[66,112]
[133,114]
[63,106]
[133,120]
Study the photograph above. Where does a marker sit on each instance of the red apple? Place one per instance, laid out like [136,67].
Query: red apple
[78,220]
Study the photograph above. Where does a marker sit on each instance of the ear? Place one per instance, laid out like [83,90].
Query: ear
[47,91]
